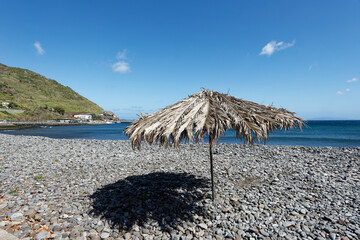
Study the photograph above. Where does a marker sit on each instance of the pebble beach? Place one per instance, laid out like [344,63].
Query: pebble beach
[101,189]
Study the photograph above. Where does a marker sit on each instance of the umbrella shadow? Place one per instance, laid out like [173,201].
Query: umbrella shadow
[166,198]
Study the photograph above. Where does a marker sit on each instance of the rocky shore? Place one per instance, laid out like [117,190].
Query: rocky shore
[91,189]
[31,124]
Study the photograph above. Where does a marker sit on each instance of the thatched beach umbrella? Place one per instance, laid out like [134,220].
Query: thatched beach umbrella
[210,113]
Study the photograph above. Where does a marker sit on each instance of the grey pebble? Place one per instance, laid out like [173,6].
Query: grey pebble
[127,235]
[328,229]
[105,235]
[288,224]
[42,235]
[332,236]
[264,233]
[17,217]
[262,192]
[30,213]
[203,226]
[57,236]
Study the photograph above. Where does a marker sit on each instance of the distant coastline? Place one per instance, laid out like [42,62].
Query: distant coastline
[127,121]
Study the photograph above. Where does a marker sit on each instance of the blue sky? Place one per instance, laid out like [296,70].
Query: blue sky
[140,56]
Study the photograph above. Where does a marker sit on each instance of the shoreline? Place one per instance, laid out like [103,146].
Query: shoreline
[30,124]
[68,188]
[317,134]
[193,144]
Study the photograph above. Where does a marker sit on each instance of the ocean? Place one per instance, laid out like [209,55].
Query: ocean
[316,134]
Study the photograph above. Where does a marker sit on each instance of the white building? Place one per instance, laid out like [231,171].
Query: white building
[5,104]
[83,116]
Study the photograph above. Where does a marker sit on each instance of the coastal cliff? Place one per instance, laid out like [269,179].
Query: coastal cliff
[26,95]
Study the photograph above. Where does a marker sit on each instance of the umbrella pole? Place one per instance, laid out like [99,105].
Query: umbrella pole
[211,168]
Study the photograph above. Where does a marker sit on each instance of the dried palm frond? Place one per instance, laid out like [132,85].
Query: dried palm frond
[210,113]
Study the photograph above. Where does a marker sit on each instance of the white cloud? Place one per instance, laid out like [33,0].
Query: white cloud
[339,93]
[342,92]
[39,49]
[121,67]
[273,46]
[122,54]
[312,65]
[353,80]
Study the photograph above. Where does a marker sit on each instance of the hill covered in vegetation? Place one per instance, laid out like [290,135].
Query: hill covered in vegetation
[41,98]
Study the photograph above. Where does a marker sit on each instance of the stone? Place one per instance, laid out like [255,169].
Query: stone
[226,209]
[264,233]
[65,234]
[56,228]
[277,210]
[3,205]
[288,224]
[290,237]
[18,234]
[57,236]
[306,229]
[303,211]
[38,217]
[95,237]
[30,213]
[332,236]
[42,235]
[341,222]
[74,234]
[99,228]
[17,217]
[218,237]
[203,226]
[328,229]
[105,235]
[136,228]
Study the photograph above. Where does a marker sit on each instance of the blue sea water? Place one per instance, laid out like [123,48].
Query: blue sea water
[316,134]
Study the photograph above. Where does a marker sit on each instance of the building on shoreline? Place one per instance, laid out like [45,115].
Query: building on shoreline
[81,115]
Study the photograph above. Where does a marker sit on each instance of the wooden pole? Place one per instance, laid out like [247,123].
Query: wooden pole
[211,168]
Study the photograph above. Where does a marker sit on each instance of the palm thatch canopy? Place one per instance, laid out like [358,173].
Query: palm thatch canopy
[212,113]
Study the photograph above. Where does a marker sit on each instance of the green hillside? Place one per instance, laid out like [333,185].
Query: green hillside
[39,96]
